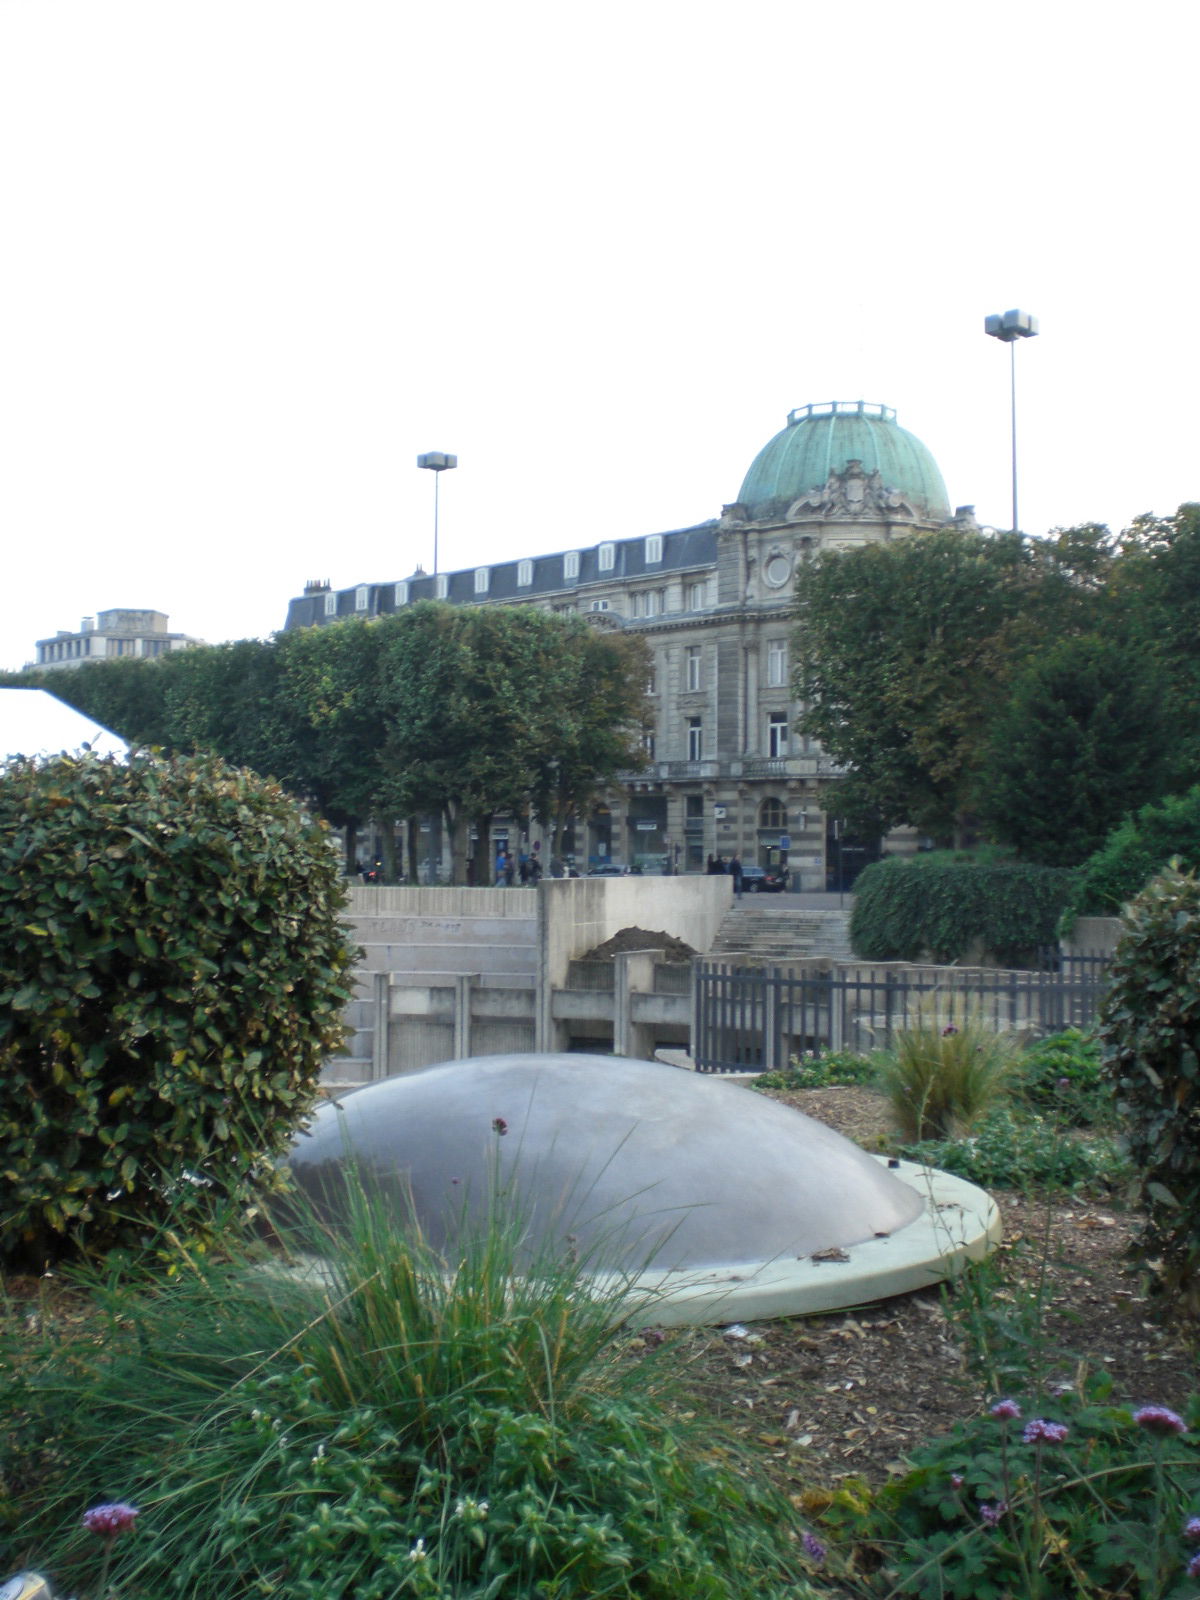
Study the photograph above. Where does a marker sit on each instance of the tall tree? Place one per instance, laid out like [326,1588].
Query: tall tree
[899,654]
[1078,744]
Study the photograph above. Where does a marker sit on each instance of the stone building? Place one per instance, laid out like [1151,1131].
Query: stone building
[108,635]
[726,770]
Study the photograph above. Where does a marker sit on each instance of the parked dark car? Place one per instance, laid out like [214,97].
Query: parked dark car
[757,880]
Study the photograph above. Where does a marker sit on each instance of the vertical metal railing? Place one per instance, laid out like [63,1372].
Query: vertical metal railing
[749,1019]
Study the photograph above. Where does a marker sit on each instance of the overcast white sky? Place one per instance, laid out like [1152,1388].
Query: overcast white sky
[256,255]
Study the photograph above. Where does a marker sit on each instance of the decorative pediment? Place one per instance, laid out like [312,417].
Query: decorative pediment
[850,494]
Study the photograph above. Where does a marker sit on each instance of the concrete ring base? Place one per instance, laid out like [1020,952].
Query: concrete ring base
[959,1224]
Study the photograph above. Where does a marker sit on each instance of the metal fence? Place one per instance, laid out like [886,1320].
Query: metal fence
[748,1019]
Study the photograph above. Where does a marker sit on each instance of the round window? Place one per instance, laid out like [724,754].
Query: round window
[777,570]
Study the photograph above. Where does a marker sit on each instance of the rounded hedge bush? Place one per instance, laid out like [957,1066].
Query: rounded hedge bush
[1150,1039]
[175,969]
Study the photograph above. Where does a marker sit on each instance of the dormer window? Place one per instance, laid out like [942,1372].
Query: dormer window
[401,596]
[362,596]
[524,574]
[653,549]
[442,585]
[606,557]
[483,576]
[331,604]
[571,566]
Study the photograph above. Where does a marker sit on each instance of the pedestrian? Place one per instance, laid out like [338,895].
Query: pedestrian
[735,872]
[501,862]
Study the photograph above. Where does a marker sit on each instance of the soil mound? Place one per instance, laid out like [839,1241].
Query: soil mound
[638,939]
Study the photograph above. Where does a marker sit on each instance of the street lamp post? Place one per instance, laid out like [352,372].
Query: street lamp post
[437,462]
[1009,327]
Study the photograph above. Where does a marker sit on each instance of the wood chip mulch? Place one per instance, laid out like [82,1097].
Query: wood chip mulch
[851,1394]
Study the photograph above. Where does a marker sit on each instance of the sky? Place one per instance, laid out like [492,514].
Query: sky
[257,255]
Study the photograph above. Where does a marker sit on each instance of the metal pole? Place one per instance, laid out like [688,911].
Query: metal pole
[1012,365]
[437,483]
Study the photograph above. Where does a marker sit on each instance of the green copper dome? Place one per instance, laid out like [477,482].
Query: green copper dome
[820,440]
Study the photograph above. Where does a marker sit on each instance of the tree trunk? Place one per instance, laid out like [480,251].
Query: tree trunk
[458,861]
[482,869]
[387,834]
[413,829]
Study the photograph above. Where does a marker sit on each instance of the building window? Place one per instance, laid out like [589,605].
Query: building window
[773,814]
[606,557]
[331,604]
[777,734]
[653,549]
[362,596]
[483,576]
[776,662]
[652,602]
[524,574]
[442,585]
[697,596]
[599,605]
[570,566]
[692,666]
[400,598]
[652,681]
[695,733]
[648,744]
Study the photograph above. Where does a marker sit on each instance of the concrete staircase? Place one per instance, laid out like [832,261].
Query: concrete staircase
[767,932]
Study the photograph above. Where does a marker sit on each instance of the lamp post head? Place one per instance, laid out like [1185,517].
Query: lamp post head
[1011,325]
[437,461]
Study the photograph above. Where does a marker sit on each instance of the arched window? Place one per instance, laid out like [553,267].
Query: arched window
[773,814]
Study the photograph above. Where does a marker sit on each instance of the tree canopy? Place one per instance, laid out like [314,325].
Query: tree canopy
[454,711]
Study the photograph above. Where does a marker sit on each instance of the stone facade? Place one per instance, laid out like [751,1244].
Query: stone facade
[726,770]
[107,636]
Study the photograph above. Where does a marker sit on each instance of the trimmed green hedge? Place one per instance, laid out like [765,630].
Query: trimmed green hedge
[175,969]
[1150,1039]
[917,910]
[1135,851]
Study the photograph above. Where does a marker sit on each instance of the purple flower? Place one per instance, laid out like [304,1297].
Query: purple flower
[1040,1432]
[990,1515]
[956,1480]
[110,1519]
[813,1548]
[1191,1530]
[1193,1568]
[499,1125]
[1063,1083]
[1157,1419]
[1006,1410]
[948,1030]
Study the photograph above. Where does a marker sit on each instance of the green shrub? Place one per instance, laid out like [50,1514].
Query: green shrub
[916,910]
[943,1070]
[1011,1151]
[1062,1076]
[1099,1510]
[1150,1037]
[174,973]
[1137,849]
[401,1424]
[835,1067]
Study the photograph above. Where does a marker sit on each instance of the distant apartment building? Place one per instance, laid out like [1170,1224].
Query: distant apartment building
[107,636]
[726,769]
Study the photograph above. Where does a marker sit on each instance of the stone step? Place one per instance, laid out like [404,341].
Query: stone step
[782,933]
[345,1072]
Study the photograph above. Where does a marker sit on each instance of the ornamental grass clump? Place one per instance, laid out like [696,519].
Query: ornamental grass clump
[389,1422]
[944,1070]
